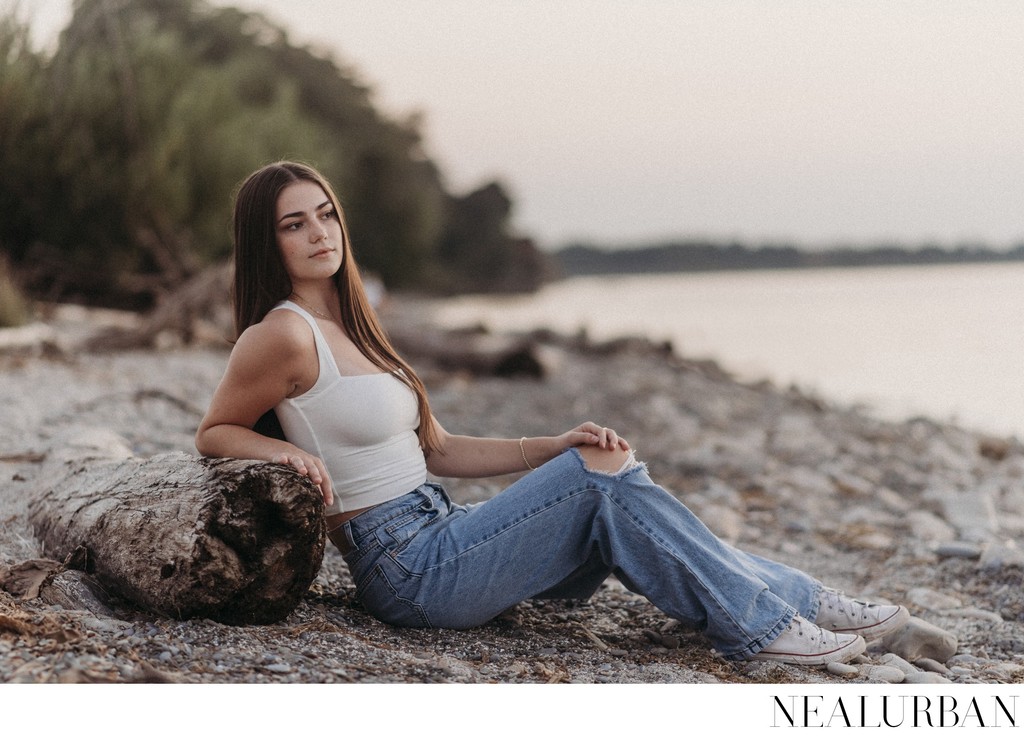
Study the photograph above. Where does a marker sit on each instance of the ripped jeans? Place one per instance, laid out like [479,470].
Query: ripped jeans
[558,532]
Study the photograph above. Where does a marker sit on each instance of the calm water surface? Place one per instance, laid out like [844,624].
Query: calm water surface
[941,341]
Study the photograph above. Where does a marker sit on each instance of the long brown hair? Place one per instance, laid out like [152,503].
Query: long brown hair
[261,280]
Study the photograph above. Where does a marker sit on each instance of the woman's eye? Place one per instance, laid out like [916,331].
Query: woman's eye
[328,214]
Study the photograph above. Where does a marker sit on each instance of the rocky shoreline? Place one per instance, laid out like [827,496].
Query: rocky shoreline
[919,512]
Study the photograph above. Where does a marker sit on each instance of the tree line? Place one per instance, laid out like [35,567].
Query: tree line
[699,255]
[120,151]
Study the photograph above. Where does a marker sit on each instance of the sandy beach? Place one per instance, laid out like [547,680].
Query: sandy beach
[916,512]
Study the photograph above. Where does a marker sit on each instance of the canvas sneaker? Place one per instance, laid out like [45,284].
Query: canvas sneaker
[807,644]
[842,614]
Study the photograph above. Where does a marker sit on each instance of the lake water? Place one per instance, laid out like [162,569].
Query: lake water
[942,341]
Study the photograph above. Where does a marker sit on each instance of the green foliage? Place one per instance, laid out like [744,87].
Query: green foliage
[23,135]
[14,309]
[122,150]
[479,250]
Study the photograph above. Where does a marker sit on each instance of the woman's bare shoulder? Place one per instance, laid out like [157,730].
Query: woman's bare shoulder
[282,333]
[285,325]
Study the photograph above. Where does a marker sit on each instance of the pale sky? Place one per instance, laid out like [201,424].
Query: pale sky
[641,120]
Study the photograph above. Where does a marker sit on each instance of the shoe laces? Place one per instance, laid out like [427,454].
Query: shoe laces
[832,599]
[815,632]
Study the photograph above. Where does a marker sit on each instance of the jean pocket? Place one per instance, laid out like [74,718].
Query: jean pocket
[381,593]
[396,535]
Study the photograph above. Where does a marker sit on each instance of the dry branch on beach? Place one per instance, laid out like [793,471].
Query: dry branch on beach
[234,541]
[473,352]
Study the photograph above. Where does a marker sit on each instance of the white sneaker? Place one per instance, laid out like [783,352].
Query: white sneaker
[842,614]
[807,644]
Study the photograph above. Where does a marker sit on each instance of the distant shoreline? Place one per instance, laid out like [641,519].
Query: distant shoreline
[702,256]
[935,340]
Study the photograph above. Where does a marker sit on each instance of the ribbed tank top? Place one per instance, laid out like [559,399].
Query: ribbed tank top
[363,427]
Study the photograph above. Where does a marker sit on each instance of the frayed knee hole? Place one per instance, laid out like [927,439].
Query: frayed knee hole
[627,463]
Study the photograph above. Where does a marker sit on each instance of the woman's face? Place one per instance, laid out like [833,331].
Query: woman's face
[308,232]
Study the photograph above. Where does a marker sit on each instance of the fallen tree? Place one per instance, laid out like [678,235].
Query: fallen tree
[234,541]
[473,351]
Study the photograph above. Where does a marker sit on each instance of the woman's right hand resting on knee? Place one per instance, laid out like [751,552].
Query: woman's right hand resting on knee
[592,434]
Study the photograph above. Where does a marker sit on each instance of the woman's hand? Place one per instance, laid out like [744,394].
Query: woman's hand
[309,466]
[592,434]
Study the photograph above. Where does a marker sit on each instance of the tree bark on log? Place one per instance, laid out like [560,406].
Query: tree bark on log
[231,540]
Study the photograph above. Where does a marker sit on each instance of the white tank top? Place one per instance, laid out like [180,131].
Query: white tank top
[363,427]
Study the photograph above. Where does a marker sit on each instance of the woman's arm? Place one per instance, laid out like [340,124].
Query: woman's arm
[272,360]
[468,456]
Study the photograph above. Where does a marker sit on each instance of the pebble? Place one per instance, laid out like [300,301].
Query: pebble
[964,660]
[873,540]
[726,523]
[930,599]
[974,613]
[919,639]
[799,439]
[884,674]
[925,677]
[999,672]
[891,659]
[998,556]
[959,550]
[840,669]
[973,514]
[931,665]
[849,484]
[101,626]
[670,641]
[720,493]
[927,526]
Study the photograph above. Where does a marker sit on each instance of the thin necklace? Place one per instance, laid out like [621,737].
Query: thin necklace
[315,311]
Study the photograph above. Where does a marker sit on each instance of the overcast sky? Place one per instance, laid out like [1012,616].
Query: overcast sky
[639,120]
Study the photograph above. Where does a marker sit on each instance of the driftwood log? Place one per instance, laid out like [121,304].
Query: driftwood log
[235,541]
[474,351]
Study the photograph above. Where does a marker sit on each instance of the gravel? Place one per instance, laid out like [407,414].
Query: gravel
[919,512]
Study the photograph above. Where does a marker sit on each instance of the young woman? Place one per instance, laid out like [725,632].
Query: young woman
[358,424]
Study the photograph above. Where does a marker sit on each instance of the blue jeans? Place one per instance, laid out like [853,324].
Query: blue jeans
[558,532]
